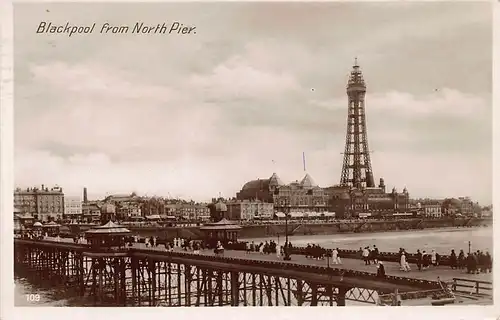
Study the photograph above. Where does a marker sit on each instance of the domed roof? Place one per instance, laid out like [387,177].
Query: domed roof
[220,207]
[256,184]
[307,181]
[108,208]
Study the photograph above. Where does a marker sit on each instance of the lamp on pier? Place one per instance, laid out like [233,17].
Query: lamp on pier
[286,248]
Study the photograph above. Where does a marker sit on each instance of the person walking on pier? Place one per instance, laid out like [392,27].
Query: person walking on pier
[461,260]
[375,254]
[419,260]
[433,257]
[380,270]
[335,257]
[404,264]
[426,260]
[489,262]
[366,256]
[247,247]
[453,259]
[471,263]
[196,248]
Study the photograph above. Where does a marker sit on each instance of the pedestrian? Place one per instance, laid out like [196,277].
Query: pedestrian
[433,257]
[404,264]
[453,259]
[488,261]
[380,270]
[366,256]
[375,254]
[471,263]
[419,260]
[335,257]
[461,260]
[196,248]
[426,260]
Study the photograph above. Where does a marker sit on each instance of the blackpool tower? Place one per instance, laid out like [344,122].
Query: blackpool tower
[357,168]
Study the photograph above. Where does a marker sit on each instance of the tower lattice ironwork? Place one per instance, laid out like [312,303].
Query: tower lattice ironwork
[357,168]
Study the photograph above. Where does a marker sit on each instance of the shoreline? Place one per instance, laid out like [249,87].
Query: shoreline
[439,229]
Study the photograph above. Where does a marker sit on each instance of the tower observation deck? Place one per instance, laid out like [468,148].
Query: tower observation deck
[356,168]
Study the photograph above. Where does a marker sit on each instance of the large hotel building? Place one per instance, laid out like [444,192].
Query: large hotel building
[307,196]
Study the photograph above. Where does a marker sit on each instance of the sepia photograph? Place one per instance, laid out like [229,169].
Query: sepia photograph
[252,154]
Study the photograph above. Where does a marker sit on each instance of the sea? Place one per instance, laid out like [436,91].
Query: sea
[441,240]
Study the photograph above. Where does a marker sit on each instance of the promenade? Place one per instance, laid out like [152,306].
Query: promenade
[445,273]
[405,282]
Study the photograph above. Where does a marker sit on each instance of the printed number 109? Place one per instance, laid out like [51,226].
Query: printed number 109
[32,297]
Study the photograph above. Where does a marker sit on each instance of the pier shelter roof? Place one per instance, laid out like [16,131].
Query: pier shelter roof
[224,231]
[223,224]
[107,236]
[109,228]
[51,224]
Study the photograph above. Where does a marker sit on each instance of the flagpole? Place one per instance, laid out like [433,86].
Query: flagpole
[304,160]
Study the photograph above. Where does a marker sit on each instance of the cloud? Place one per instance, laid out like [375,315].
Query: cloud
[199,116]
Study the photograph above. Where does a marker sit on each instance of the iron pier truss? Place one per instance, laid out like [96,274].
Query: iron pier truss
[141,277]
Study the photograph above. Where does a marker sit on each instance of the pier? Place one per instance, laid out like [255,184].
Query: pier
[153,277]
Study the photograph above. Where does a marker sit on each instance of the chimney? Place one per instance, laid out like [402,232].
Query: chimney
[85,195]
[43,189]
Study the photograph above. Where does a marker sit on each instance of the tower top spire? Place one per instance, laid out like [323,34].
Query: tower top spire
[356,80]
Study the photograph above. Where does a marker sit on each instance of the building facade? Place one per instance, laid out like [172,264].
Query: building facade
[91,211]
[43,204]
[303,196]
[349,202]
[126,206]
[306,196]
[249,210]
[466,206]
[189,211]
[73,208]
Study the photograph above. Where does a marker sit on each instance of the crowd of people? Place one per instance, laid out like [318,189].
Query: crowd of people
[474,262]
[369,255]
[268,248]
[316,252]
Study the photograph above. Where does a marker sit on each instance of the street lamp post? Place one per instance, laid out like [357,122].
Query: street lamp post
[469,247]
[286,247]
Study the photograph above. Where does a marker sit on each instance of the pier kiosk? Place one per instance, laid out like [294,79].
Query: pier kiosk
[223,231]
[51,228]
[108,256]
[107,236]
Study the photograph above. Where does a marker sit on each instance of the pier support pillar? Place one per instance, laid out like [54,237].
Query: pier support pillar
[341,296]
[235,295]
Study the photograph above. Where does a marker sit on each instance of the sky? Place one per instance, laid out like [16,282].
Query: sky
[198,115]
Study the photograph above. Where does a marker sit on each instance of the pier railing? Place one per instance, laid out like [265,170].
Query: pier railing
[355,254]
[477,287]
